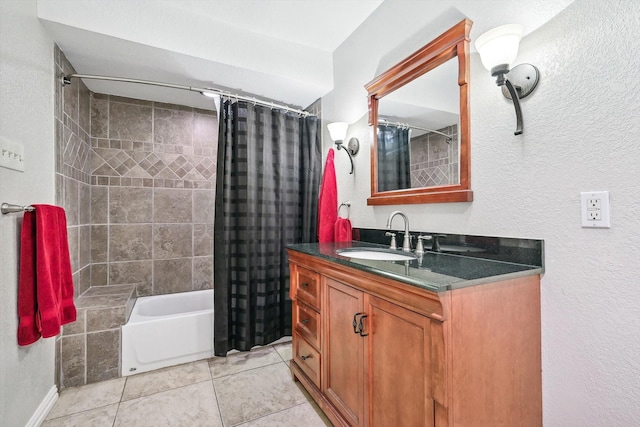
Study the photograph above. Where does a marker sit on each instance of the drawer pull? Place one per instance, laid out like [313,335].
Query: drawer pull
[305,357]
[361,326]
[305,285]
[305,321]
[357,328]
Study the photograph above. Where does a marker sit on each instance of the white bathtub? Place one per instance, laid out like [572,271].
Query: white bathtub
[167,330]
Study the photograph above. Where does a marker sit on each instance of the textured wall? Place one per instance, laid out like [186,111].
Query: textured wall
[26,116]
[580,134]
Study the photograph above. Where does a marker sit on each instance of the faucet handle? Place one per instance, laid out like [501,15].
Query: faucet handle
[393,244]
[435,245]
[420,245]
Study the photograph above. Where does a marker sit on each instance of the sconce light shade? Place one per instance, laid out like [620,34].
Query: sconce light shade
[498,47]
[338,130]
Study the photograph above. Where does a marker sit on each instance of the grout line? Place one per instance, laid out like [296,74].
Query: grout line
[161,391]
[72,414]
[248,370]
[272,413]
[215,394]
[119,401]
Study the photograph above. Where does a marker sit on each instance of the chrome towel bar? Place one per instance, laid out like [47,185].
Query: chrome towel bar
[7,208]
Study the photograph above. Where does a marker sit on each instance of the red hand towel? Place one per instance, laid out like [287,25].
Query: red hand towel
[45,294]
[343,230]
[328,202]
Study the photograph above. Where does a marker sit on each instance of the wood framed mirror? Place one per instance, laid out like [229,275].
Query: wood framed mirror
[425,95]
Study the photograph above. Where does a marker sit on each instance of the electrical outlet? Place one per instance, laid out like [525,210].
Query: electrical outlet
[595,209]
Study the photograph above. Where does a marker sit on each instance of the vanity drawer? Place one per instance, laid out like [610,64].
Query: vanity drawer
[307,286]
[307,358]
[307,322]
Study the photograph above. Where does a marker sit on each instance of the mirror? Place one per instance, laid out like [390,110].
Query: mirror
[419,110]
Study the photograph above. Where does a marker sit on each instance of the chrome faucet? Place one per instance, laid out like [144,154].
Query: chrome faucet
[406,243]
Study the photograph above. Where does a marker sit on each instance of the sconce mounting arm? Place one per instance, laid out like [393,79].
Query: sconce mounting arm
[346,150]
[516,105]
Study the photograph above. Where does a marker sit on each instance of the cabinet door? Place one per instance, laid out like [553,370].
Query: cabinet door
[343,352]
[399,366]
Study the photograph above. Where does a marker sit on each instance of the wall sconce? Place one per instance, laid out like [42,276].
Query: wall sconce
[338,132]
[498,48]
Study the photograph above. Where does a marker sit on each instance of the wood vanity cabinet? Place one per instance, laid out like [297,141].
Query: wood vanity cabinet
[377,352]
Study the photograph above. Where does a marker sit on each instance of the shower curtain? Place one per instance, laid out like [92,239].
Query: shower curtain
[393,158]
[267,184]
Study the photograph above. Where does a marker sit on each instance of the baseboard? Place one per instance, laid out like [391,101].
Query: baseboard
[43,409]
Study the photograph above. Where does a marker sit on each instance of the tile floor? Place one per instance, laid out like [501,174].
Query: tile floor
[250,389]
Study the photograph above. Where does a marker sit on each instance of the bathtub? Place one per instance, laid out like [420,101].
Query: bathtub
[166,330]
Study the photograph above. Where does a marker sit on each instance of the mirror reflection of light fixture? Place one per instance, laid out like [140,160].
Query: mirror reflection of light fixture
[338,132]
[498,48]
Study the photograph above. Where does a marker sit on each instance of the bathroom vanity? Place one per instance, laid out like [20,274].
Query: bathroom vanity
[442,340]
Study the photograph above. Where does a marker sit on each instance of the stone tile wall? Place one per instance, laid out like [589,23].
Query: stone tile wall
[434,161]
[73,192]
[152,201]
[137,181]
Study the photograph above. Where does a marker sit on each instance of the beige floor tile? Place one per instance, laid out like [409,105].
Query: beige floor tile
[165,379]
[101,417]
[255,393]
[92,396]
[238,362]
[284,350]
[299,415]
[190,406]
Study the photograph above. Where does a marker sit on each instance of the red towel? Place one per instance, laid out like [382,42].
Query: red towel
[45,292]
[328,202]
[343,230]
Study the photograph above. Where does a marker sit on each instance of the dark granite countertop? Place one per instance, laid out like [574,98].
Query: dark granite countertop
[434,271]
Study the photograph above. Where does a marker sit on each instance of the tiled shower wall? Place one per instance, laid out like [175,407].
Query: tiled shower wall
[73,168]
[73,192]
[139,201]
[433,160]
[152,199]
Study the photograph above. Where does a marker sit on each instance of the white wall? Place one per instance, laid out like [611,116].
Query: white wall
[581,133]
[26,115]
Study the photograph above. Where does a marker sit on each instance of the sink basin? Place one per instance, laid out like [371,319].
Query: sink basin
[376,254]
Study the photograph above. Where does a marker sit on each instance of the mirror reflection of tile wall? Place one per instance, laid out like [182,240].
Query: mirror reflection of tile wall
[434,161]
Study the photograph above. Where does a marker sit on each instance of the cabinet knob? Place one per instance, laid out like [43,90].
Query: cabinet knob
[304,321]
[305,285]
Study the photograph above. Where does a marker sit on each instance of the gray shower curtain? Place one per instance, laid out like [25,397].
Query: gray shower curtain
[269,165]
[393,158]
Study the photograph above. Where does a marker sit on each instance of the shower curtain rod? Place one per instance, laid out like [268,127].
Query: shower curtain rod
[386,122]
[66,80]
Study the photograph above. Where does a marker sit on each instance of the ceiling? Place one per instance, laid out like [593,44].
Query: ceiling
[278,49]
